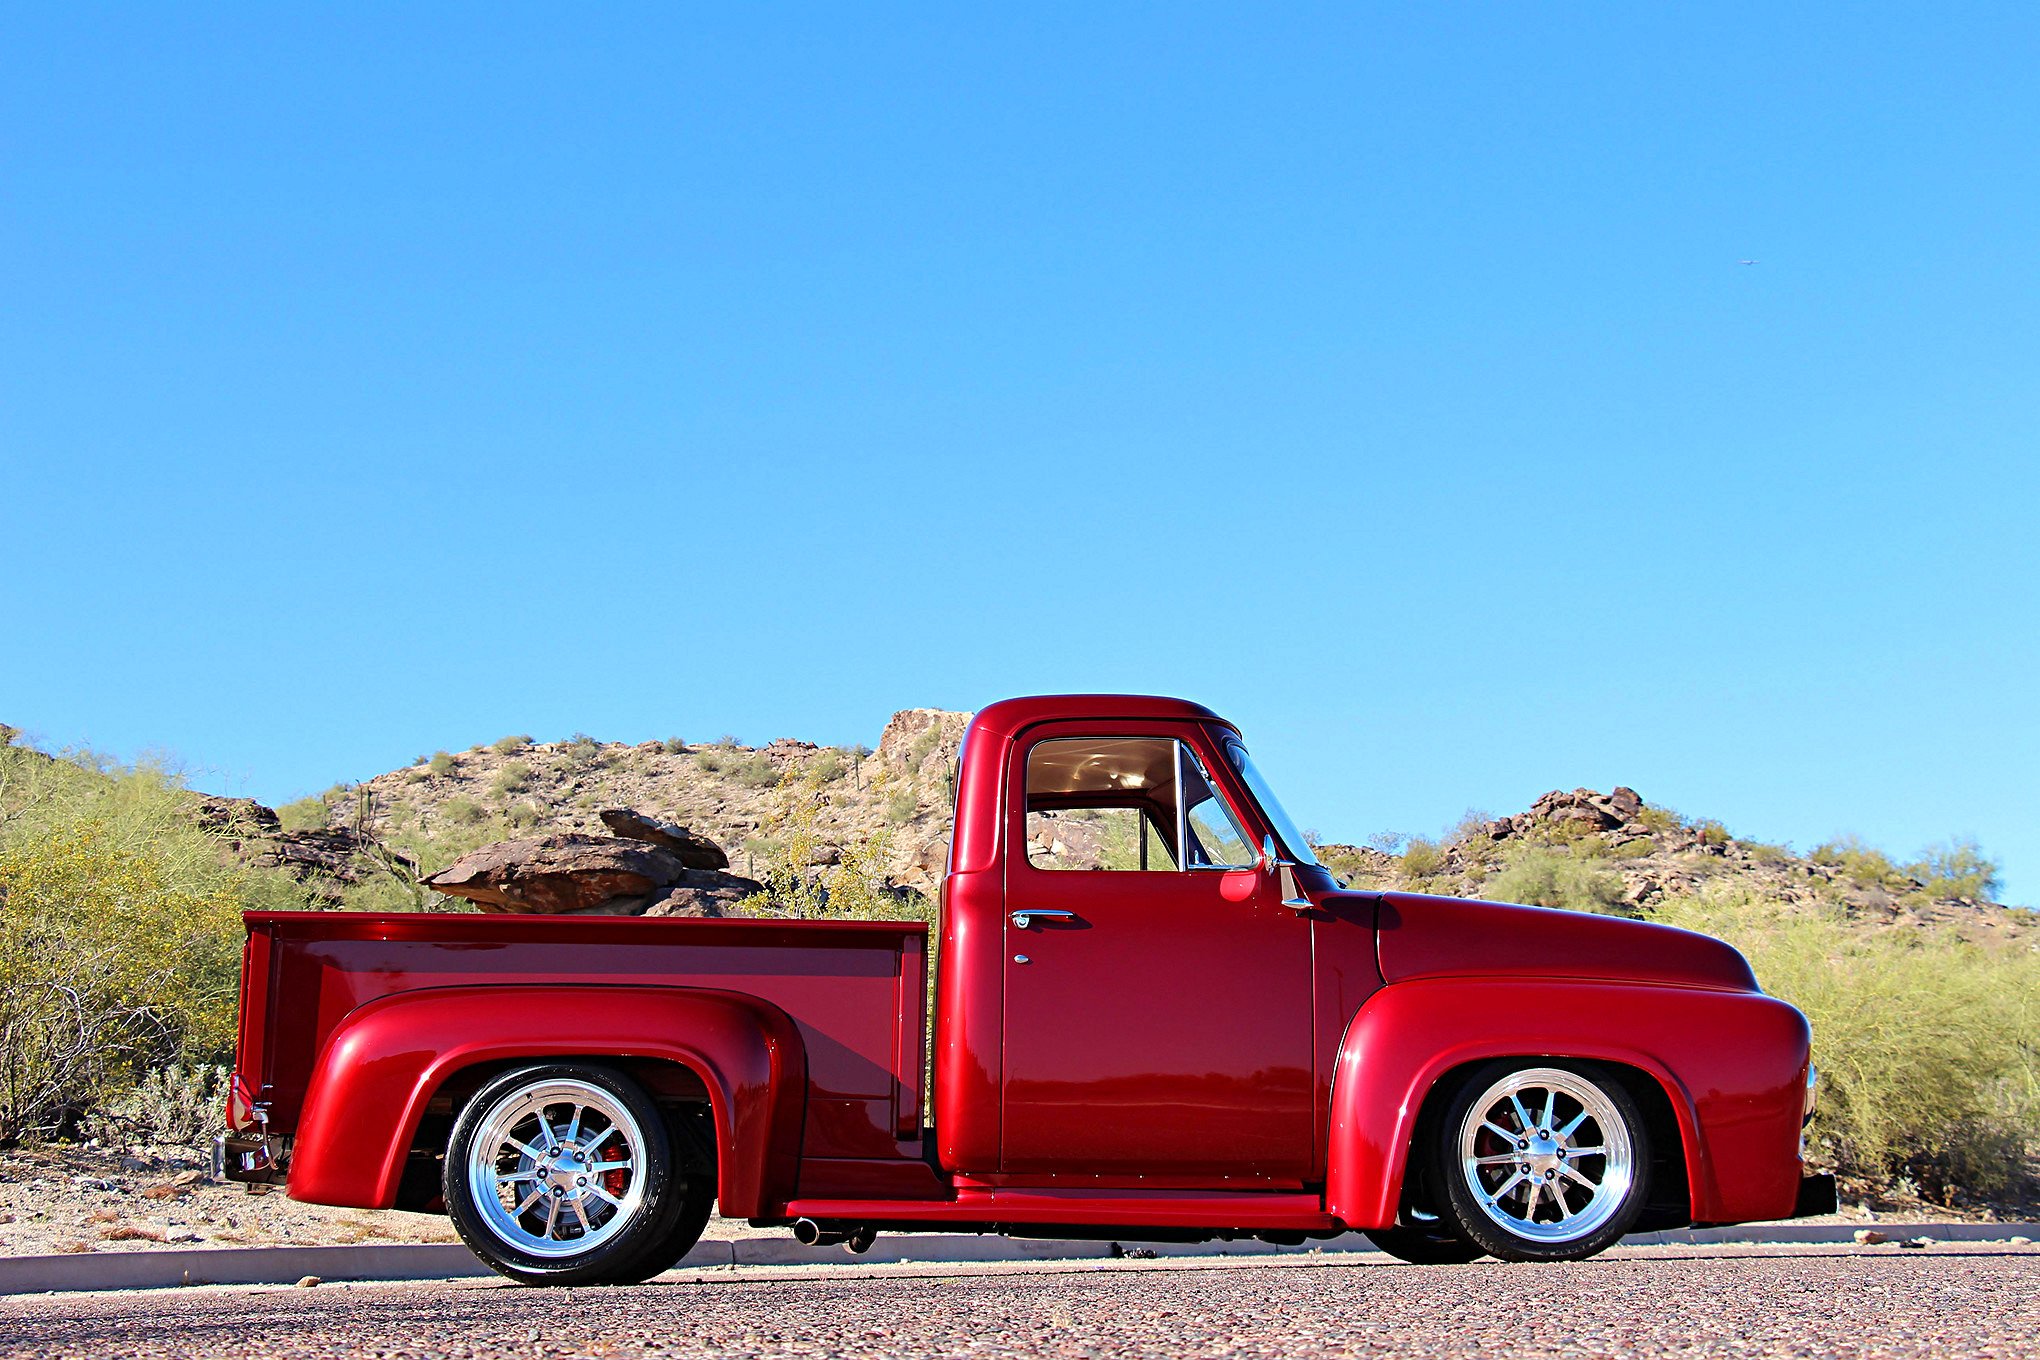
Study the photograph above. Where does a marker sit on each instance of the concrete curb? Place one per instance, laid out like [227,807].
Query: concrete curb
[286,1265]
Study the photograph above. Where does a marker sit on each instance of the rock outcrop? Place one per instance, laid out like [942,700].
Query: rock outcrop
[572,871]
[696,852]
[327,860]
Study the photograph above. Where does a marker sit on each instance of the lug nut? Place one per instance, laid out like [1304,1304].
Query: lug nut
[1522,1145]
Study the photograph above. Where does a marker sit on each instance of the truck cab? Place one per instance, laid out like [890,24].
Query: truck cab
[1156,1017]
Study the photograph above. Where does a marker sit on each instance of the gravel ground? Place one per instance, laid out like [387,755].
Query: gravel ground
[1875,1302]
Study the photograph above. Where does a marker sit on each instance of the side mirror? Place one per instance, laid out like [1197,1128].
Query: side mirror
[1269,862]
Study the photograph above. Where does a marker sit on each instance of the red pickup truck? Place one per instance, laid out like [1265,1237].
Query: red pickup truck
[1156,1018]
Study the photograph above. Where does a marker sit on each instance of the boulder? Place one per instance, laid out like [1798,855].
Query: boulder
[564,872]
[696,852]
[702,893]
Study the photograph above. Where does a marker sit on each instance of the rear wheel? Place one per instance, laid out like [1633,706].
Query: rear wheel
[564,1174]
[1541,1162]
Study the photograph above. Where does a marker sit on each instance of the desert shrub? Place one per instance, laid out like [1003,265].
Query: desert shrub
[120,938]
[441,763]
[1659,820]
[1860,863]
[1541,877]
[462,811]
[1711,831]
[673,746]
[901,806]
[710,761]
[512,777]
[1422,858]
[510,746]
[1763,852]
[756,771]
[829,764]
[522,816]
[1928,1045]
[306,814]
[180,1103]
[1957,868]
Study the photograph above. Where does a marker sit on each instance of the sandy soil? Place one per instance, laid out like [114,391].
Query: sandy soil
[75,1199]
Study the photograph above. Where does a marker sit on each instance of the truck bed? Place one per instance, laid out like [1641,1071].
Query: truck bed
[854,989]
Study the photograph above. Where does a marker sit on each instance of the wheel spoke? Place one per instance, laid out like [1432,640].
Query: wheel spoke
[1550,1106]
[1499,1131]
[574,1126]
[552,1215]
[1530,1199]
[1521,1113]
[1558,1197]
[582,1214]
[1574,1176]
[1577,1153]
[604,1195]
[1506,1186]
[1573,1125]
[625,1165]
[537,1194]
[1499,1159]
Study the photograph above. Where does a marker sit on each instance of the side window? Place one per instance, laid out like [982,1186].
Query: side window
[1102,803]
[1213,837]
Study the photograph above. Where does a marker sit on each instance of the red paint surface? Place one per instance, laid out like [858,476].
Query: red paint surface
[1187,1052]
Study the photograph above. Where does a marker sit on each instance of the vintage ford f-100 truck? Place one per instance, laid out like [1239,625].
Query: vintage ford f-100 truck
[1156,1018]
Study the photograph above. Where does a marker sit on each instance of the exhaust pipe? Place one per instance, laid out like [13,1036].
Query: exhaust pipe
[856,1238]
[809,1233]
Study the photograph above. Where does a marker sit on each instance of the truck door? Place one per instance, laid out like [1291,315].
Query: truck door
[1158,993]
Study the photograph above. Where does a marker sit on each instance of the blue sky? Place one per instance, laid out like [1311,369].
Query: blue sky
[380,379]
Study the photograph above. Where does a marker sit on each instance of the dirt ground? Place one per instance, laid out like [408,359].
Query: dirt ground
[76,1199]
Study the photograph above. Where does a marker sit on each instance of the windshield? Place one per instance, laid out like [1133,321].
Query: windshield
[1292,839]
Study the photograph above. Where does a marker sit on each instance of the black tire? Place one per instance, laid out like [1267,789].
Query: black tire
[632,1241]
[1424,1246]
[663,1255]
[1615,1184]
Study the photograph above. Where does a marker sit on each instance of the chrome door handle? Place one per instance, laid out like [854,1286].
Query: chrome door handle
[1024,919]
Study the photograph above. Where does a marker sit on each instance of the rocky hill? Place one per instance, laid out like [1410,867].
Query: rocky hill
[759,804]
[889,809]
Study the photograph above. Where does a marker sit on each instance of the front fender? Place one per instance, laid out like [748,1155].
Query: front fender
[385,1059]
[1732,1064]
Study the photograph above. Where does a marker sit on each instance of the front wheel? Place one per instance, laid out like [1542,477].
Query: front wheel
[564,1174]
[1542,1162]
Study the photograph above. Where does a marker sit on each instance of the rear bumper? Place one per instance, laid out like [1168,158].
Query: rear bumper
[251,1157]
[1817,1195]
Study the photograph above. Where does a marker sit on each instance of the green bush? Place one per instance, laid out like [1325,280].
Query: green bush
[673,746]
[1928,1045]
[441,763]
[1422,858]
[901,807]
[1860,863]
[506,746]
[120,940]
[306,814]
[756,771]
[829,765]
[1542,877]
[463,811]
[1957,868]
[511,778]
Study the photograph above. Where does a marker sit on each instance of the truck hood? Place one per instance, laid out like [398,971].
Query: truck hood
[1422,937]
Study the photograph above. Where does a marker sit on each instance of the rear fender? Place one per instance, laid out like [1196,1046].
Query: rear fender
[384,1061]
[1731,1064]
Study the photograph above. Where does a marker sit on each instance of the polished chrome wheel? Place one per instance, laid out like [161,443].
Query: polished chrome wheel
[1546,1155]
[557,1168]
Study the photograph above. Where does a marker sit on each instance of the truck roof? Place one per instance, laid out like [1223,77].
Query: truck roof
[1009,717]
